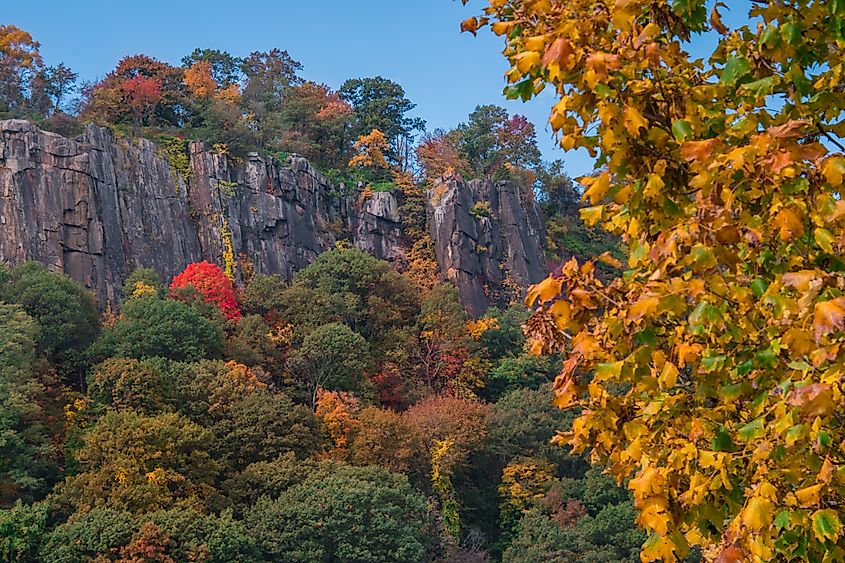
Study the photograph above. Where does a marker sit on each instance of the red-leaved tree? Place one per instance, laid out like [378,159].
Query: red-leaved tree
[210,281]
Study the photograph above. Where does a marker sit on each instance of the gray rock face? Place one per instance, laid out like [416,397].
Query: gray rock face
[97,207]
[487,238]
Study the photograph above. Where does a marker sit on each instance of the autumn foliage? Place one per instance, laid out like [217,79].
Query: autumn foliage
[213,286]
[710,373]
[371,150]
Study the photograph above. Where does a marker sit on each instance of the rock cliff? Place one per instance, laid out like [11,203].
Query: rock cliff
[97,207]
[487,239]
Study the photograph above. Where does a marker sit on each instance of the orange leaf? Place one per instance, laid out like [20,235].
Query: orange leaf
[808,496]
[583,298]
[596,187]
[558,52]
[698,151]
[789,130]
[827,317]
[470,25]
[609,259]
[730,554]
[788,222]
[814,400]
[800,280]
[561,312]
[546,290]
[565,393]
[645,305]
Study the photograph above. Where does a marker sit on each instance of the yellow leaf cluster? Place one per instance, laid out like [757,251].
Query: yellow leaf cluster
[710,374]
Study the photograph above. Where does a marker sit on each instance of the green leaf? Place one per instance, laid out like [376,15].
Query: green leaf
[825,439]
[792,32]
[522,90]
[826,525]
[745,368]
[702,258]
[762,87]
[759,287]
[713,363]
[610,370]
[722,441]
[770,36]
[704,313]
[800,365]
[782,520]
[753,429]
[735,68]
[730,392]
[682,130]
[824,239]
[765,358]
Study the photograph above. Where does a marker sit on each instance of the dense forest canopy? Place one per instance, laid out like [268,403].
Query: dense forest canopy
[356,413]
[672,391]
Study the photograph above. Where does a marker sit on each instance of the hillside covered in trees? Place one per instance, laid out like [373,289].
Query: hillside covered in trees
[351,409]
[672,390]
[346,416]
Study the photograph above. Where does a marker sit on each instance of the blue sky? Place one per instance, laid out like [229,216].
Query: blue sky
[414,42]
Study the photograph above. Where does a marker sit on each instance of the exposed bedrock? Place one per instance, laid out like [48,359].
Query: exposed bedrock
[99,206]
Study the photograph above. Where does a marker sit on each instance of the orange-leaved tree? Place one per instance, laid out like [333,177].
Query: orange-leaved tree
[710,372]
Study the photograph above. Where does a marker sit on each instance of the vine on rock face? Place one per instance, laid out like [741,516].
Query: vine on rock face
[441,482]
[175,150]
[710,372]
[228,251]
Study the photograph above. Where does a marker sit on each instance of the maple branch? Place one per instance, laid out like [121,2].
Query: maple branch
[830,137]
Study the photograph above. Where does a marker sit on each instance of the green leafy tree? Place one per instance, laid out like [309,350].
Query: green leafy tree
[332,357]
[491,138]
[194,536]
[129,461]
[101,531]
[248,420]
[365,292]
[250,343]
[317,124]
[172,535]
[142,281]
[345,513]
[262,426]
[128,384]
[266,479]
[150,326]
[263,294]
[558,194]
[225,69]
[66,314]
[28,460]
[22,527]
[381,104]
[516,372]
[505,338]
[268,77]
[523,422]
[19,337]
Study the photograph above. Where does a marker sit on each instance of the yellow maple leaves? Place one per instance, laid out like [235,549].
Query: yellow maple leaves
[710,372]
